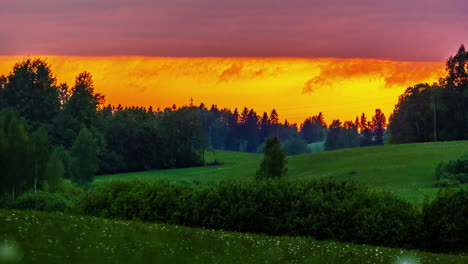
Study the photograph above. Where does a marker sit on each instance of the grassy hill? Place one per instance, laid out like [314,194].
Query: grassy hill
[35,237]
[406,169]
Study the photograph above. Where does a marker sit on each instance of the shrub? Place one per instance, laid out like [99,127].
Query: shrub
[320,208]
[6,201]
[42,201]
[452,173]
[445,221]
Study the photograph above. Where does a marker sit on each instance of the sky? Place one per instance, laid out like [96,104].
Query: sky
[340,57]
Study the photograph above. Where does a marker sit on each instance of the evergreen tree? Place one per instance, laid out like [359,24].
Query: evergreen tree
[274,161]
[84,160]
[264,127]
[379,123]
[366,131]
[274,118]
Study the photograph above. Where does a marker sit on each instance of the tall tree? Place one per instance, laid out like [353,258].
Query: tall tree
[457,70]
[264,127]
[84,102]
[15,162]
[274,161]
[218,133]
[274,118]
[334,138]
[314,128]
[40,152]
[63,94]
[31,90]
[54,171]
[366,131]
[379,123]
[412,119]
[84,163]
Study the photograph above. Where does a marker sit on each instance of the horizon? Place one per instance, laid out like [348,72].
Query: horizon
[299,87]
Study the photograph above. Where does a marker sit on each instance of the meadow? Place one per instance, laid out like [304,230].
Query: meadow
[37,237]
[405,169]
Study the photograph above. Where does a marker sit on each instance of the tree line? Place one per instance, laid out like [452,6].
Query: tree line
[96,138]
[122,139]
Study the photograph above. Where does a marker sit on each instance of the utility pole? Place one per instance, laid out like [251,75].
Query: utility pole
[435,119]
[203,133]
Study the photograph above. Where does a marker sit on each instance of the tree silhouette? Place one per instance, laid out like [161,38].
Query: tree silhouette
[31,90]
[379,123]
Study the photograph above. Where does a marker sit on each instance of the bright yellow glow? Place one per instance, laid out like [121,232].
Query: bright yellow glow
[296,88]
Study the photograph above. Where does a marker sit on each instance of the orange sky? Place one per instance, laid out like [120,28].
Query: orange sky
[295,87]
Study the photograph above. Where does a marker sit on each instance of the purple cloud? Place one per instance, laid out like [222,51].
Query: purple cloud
[419,30]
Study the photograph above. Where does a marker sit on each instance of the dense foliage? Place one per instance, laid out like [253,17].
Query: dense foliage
[41,201]
[325,210]
[435,112]
[445,221]
[27,162]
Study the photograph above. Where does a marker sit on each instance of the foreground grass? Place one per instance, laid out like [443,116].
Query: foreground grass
[35,237]
[406,169]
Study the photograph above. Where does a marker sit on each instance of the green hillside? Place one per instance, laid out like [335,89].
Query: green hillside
[406,169]
[35,237]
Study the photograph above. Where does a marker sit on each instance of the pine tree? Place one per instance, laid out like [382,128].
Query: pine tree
[274,161]
[366,132]
[378,126]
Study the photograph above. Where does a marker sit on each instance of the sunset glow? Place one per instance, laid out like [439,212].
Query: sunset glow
[296,88]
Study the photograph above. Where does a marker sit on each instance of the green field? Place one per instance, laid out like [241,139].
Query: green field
[407,169]
[36,237]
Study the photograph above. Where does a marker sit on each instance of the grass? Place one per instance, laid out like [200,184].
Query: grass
[36,237]
[406,169]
